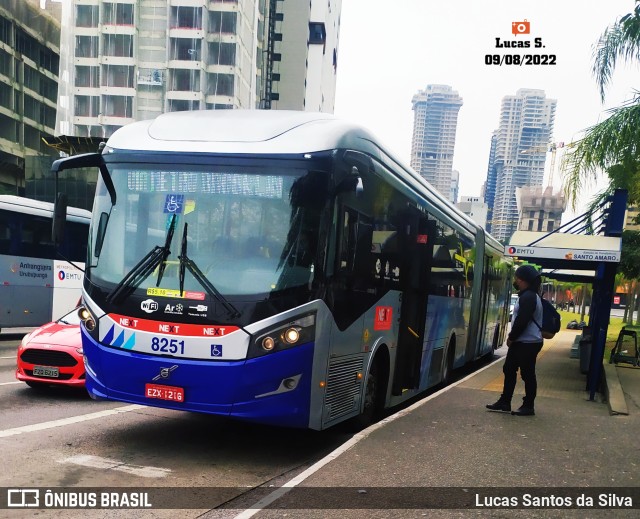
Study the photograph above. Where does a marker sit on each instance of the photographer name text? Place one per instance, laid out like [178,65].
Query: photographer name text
[608,500]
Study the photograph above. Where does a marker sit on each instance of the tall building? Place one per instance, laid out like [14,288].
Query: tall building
[129,60]
[305,73]
[489,187]
[434,135]
[540,209]
[29,58]
[518,159]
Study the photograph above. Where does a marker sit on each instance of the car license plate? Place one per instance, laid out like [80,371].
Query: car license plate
[45,371]
[172,393]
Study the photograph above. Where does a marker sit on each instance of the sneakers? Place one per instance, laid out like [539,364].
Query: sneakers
[500,405]
[523,411]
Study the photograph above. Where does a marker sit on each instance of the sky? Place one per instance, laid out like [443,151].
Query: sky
[388,51]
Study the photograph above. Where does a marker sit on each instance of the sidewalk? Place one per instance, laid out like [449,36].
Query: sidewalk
[452,441]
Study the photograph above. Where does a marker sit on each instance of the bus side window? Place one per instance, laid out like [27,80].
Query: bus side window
[5,233]
[355,259]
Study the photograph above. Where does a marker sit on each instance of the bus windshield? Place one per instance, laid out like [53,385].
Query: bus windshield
[250,230]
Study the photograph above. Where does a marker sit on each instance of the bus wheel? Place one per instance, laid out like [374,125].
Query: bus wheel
[371,404]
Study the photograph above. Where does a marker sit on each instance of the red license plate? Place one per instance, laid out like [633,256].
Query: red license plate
[172,393]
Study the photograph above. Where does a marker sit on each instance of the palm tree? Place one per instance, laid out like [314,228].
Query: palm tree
[614,142]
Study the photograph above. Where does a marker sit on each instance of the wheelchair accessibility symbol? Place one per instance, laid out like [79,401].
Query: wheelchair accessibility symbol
[216,350]
[174,204]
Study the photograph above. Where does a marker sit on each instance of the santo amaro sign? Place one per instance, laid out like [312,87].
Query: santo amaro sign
[565,254]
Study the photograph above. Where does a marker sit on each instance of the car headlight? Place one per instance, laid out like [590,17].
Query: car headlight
[284,336]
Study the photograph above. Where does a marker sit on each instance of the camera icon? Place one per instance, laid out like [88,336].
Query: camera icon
[523,27]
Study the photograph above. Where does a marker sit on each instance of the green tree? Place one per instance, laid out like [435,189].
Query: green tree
[612,145]
[630,266]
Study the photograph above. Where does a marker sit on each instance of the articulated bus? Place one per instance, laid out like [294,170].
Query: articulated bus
[277,267]
[36,285]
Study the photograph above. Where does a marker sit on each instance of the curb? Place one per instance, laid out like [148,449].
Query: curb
[615,397]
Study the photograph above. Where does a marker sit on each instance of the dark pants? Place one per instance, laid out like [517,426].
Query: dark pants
[521,355]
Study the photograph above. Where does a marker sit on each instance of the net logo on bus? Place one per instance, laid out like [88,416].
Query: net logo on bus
[384,315]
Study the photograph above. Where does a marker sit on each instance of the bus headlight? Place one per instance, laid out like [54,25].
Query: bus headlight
[268,344]
[86,317]
[284,335]
[291,335]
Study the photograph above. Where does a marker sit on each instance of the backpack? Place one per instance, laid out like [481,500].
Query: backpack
[550,320]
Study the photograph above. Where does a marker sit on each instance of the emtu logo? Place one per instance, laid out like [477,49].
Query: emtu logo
[512,250]
[61,275]
[523,27]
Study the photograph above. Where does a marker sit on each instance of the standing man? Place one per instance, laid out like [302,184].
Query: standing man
[524,342]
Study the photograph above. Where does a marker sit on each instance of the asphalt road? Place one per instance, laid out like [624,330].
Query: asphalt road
[59,437]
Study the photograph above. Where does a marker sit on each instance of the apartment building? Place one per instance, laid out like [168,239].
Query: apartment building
[540,209]
[131,60]
[305,54]
[518,155]
[29,59]
[434,135]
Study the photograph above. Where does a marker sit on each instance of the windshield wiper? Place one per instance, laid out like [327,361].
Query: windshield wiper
[166,251]
[144,268]
[186,262]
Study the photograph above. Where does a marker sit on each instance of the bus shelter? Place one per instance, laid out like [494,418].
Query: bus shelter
[567,255]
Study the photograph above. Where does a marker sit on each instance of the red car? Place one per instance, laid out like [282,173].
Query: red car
[52,354]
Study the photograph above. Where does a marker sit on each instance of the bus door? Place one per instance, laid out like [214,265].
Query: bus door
[485,294]
[415,238]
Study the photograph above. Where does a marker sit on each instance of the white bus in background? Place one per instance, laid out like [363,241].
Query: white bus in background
[36,284]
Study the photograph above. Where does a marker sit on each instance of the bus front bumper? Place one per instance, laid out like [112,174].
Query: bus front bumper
[273,389]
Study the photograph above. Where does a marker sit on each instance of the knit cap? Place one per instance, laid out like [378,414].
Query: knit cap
[527,273]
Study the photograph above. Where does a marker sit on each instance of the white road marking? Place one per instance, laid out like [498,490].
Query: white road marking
[10,357]
[8,383]
[284,489]
[97,462]
[68,421]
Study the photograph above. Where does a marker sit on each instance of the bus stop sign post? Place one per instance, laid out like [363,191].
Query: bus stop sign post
[604,285]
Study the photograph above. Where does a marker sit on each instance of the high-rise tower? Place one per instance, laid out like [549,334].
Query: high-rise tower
[518,155]
[434,135]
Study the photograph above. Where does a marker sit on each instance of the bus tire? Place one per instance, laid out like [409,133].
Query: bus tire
[373,396]
[447,376]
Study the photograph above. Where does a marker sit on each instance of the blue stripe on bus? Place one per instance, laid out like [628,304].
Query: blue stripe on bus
[227,388]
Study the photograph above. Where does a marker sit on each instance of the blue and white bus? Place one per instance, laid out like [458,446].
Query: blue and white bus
[277,267]
[36,284]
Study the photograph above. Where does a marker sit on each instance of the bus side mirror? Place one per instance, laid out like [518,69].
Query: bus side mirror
[359,186]
[59,219]
[351,183]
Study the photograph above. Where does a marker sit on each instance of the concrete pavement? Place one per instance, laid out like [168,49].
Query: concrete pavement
[452,442]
